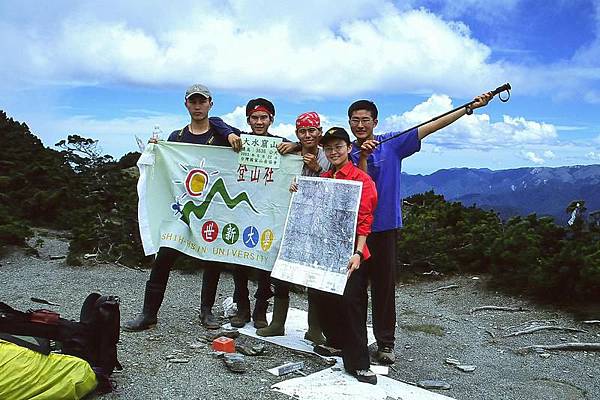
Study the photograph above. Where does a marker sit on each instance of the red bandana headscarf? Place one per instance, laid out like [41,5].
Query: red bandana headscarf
[308,119]
[258,108]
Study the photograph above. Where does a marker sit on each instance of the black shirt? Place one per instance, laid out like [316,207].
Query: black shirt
[209,137]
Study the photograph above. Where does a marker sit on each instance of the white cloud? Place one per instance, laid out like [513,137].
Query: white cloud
[531,156]
[434,149]
[549,154]
[593,155]
[308,48]
[284,130]
[287,48]
[524,131]
[475,131]
[237,118]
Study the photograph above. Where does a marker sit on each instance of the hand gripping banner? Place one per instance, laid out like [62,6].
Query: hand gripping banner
[199,200]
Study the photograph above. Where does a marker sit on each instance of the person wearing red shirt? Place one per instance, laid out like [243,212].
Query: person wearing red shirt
[344,318]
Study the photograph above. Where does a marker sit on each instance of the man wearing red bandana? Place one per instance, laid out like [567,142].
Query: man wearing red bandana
[260,114]
[309,132]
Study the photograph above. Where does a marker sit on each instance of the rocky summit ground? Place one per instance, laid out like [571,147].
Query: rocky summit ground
[433,326]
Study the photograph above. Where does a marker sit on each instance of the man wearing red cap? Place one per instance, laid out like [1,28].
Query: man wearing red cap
[308,131]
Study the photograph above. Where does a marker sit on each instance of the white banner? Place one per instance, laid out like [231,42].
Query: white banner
[199,200]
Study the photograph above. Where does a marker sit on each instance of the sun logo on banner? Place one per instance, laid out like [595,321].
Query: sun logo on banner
[197,182]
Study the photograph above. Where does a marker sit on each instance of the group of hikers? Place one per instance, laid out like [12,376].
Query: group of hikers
[336,324]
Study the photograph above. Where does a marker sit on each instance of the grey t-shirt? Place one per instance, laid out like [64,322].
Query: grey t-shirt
[322,160]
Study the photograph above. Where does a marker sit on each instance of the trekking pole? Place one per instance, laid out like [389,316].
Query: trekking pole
[504,88]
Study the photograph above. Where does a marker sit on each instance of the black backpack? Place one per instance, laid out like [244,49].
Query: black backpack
[94,338]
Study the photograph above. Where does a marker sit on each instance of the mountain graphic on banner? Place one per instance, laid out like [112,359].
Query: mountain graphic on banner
[199,210]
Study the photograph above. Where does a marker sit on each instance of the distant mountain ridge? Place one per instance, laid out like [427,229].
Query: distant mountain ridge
[520,191]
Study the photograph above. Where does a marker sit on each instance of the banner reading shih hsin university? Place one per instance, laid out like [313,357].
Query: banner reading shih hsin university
[201,201]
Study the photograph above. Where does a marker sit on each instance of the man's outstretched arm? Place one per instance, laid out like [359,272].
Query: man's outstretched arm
[427,129]
[368,146]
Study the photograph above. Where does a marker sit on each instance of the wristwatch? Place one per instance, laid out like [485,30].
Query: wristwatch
[360,254]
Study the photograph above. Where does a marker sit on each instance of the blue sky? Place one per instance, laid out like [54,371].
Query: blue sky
[112,70]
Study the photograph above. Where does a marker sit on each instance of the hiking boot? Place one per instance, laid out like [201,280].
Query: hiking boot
[327,351]
[140,323]
[277,326]
[208,320]
[259,315]
[385,355]
[316,338]
[147,319]
[365,376]
[314,332]
[242,316]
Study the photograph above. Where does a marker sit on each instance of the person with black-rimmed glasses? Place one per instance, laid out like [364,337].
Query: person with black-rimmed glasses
[384,163]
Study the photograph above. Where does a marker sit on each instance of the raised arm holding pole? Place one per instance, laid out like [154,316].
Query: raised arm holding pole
[436,123]
[429,127]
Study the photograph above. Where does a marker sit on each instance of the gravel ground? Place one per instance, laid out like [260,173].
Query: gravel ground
[431,327]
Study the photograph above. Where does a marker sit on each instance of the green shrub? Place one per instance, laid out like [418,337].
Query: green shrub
[524,255]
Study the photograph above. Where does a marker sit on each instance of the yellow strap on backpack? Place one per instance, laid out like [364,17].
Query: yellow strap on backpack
[26,374]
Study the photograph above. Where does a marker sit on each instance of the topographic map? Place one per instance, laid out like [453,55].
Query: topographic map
[319,234]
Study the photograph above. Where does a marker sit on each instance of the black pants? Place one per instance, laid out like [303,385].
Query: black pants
[210,281]
[161,269]
[381,267]
[343,320]
[240,279]
[281,289]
